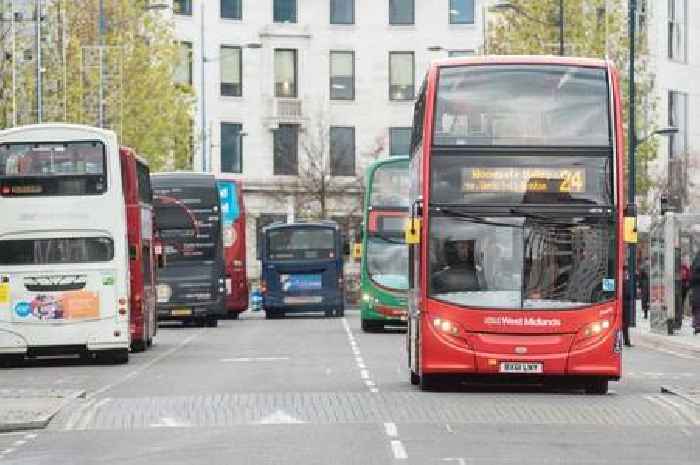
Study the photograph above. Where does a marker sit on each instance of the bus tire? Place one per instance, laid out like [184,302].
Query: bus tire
[415,379]
[139,346]
[234,315]
[113,356]
[598,387]
[340,312]
[211,322]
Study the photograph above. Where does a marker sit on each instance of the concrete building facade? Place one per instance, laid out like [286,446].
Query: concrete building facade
[336,76]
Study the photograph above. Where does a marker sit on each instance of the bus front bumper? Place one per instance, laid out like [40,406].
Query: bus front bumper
[545,355]
[187,311]
[87,335]
[390,315]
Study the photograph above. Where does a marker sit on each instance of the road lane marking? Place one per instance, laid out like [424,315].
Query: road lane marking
[90,414]
[359,361]
[681,409]
[391,430]
[169,422]
[448,428]
[661,402]
[459,460]
[77,415]
[398,450]
[21,442]
[279,417]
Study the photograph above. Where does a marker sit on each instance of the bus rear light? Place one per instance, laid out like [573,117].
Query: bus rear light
[5,190]
[263,286]
[122,311]
[122,301]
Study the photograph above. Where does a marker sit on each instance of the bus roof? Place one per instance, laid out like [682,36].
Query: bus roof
[523,60]
[75,132]
[191,178]
[388,161]
[303,224]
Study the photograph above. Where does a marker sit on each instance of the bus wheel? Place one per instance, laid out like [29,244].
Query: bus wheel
[271,315]
[415,379]
[234,315]
[212,322]
[340,312]
[11,360]
[138,346]
[597,387]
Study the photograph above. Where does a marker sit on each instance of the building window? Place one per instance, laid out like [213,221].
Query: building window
[401,11]
[182,7]
[342,75]
[183,70]
[231,9]
[677,26]
[342,11]
[401,76]
[678,118]
[399,141]
[285,11]
[461,11]
[286,148]
[230,70]
[265,219]
[342,148]
[285,73]
[231,148]
[460,53]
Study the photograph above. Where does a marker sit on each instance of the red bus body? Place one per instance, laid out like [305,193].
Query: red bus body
[474,342]
[139,216]
[233,214]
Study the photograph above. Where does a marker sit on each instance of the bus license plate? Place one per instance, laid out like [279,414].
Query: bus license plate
[181,312]
[521,367]
[303,300]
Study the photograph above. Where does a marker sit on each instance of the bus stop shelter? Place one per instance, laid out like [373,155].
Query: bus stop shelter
[674,240]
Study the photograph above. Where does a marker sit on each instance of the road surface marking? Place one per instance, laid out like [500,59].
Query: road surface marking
[449,429]
[659,401]
[459,460]
[77,415]
[681,409]
[364,374]
[398,450]
[169,422]
[279,417]
[359,361]
[391,430]
[90,414]
[21,442]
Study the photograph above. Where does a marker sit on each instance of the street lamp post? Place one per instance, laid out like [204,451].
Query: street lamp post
[507,5]
[631,208]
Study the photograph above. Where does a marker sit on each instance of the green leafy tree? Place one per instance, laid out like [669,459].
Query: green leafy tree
[141,103]
[593,28]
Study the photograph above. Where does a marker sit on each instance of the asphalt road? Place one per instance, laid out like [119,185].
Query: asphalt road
[319,391]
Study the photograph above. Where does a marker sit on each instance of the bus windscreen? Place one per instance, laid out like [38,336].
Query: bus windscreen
[301,244]
[187,219]
[390,185]
[522,105]
[72,168]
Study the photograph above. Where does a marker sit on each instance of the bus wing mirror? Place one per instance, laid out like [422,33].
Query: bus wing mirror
[357,251]
[412,231]
[630,230]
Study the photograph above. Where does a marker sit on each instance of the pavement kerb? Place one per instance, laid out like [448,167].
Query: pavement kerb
[40,421]
[663,343]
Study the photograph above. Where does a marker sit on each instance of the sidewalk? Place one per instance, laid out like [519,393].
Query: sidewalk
[22,409]
[683,341]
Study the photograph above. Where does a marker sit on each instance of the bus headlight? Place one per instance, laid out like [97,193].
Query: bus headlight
[592,332]
[445,326]
[164,293]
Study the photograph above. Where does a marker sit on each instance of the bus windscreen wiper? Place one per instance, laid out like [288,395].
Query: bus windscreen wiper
[473,218]
[544,219]
[388,239]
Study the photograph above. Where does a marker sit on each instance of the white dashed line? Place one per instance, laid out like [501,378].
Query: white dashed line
[17,444]
[359,361]
[391,430]
[398,450]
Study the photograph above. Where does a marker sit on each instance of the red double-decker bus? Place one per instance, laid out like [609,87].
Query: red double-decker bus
[233,230]
[138,197]
[517,247]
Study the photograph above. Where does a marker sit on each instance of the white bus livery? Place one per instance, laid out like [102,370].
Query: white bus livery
[64,276]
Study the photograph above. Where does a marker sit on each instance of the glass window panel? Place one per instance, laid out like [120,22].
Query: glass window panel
[677,24]
[401,85]
[231,9]
[182,7]
[401,11]
[286,146]
[285,73]
[183,70]
[230,69]
[56,251]
[342,11]
[342,151]
[522,105]
[462,11]
[231,148]
[285,11]
[342,75]
[399,141]
[263,220]
[678,118]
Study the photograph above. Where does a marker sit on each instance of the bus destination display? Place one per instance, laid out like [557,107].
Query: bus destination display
[520,179]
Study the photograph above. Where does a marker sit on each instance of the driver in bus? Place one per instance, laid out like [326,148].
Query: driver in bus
[460,273]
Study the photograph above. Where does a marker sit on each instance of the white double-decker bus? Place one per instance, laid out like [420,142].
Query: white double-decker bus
[64,276]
